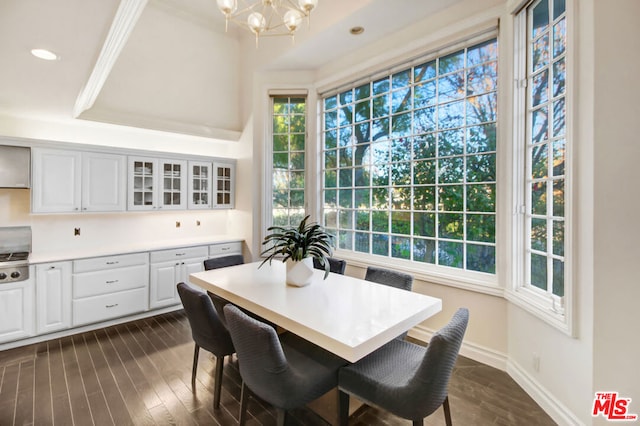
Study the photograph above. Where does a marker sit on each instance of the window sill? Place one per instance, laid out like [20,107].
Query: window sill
[541,307]
[471,281]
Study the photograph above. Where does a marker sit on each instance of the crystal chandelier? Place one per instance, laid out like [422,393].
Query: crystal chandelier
[267,17]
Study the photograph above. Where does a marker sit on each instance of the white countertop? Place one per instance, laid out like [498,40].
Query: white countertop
[348,316]
[109,250]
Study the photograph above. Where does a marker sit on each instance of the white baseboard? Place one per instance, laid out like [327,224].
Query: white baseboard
[470,350]
[556,410]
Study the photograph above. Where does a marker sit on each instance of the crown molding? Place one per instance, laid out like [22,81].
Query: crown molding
[121,28]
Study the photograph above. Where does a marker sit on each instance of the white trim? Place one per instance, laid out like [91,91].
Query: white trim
[437,274]
[472,351]
[90,327]
[121,28]
[552,406]
[130,119]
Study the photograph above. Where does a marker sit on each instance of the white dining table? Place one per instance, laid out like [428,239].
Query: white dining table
[347,316]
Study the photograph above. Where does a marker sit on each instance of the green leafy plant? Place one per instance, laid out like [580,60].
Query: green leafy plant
[297,243]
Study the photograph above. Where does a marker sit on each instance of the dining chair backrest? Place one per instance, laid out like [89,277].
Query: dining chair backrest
[304,374]
[337,266]
[207,330]
[224,261]
[216,263]
[389,277]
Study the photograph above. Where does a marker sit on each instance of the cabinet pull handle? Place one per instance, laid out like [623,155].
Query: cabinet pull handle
[111,306]
[180,254]
[113,263]
[112,281]
[225,248]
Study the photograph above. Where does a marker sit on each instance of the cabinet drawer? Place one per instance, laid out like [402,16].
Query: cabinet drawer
[108,306]
[178,254]
[234,247]
[112,280]
[110,262]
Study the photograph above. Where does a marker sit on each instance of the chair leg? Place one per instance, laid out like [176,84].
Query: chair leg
[343,408]
[447,411]
[196,352]
[218,382]
[281,414]
[244,398]
[418,422]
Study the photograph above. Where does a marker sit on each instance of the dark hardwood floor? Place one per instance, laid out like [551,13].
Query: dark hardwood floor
[139,373]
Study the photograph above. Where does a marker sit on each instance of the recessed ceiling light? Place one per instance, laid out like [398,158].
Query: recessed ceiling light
[356,30]
[45,54]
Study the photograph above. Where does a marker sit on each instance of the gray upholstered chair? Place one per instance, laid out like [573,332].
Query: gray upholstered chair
[221,262]
[390,278]
[337,266]
[408,380]
[286,373]
[208,333]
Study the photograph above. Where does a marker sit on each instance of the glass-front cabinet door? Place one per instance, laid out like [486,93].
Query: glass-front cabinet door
[200,185]
[142,183]
[173,184]
[224,185]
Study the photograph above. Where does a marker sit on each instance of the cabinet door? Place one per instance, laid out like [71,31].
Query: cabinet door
[163,281]
[199,185]
[224,181]
[173,184]
[56,181]
[16,310]
[53,297]
[191,266]
[104,178]
[142,183]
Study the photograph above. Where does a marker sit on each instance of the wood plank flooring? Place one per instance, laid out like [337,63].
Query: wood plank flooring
[139,373]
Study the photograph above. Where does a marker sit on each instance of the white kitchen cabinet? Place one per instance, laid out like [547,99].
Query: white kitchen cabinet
[109,287]
[225,249]
[170,267]
[200,175]
[16,310]
[72,181]
[104,182]
[56,180]
[53,297]
[156,184]
[224,185]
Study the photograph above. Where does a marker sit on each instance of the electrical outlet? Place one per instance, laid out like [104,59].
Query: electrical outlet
[536,362]
[76,231]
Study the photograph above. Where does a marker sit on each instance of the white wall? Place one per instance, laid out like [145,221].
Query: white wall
[617,199]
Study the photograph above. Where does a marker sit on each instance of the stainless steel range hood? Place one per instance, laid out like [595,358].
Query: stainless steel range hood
[15,167]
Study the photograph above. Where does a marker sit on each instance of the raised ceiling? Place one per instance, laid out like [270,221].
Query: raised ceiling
[177,70]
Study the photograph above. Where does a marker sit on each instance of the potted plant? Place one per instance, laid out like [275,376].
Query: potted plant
[297,246]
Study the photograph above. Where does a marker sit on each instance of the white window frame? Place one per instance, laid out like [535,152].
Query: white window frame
[470,280]
[556,311]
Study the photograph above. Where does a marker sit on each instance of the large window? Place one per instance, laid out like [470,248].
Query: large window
[410,162]
[288,160]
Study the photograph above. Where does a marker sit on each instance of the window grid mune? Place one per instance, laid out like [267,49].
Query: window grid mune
[546,146]
[289,141]
[409,162]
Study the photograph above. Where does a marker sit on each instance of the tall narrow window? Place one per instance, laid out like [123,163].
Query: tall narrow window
[288,156]
[543,147]
[410,162]
[546,146]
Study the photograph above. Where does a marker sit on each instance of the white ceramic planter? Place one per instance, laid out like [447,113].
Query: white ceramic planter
[300,273]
